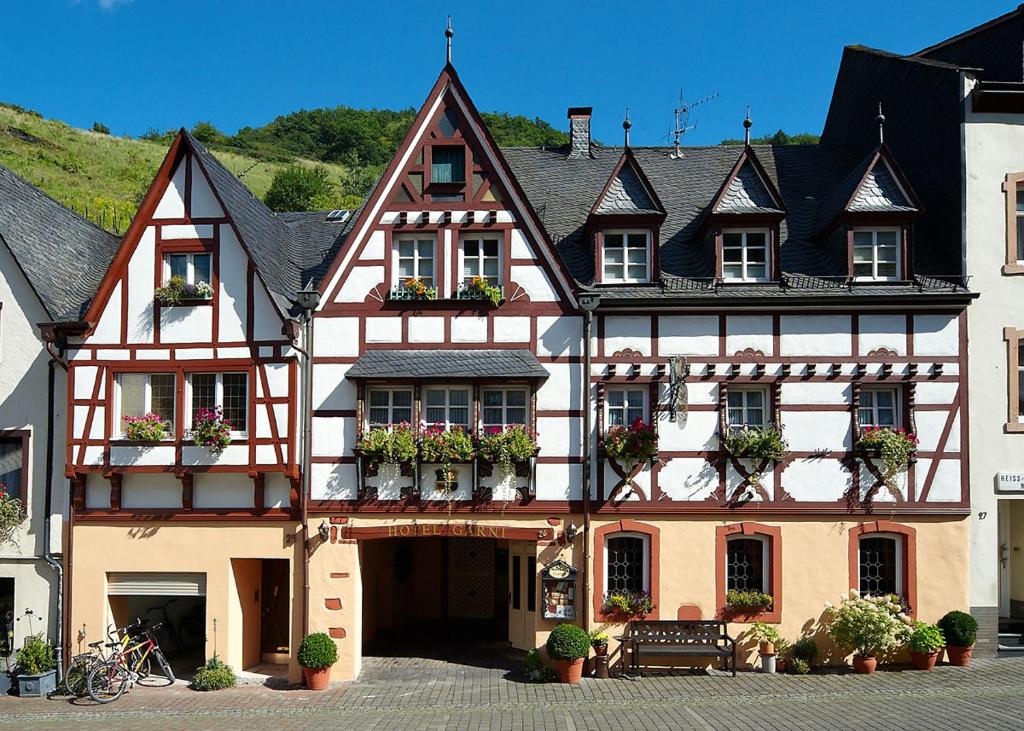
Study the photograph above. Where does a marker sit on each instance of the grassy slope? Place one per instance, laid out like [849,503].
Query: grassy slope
[99,175]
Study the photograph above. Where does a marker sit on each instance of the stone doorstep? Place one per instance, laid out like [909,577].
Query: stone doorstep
[264,674]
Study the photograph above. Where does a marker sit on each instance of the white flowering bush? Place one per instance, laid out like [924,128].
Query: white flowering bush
[868,625]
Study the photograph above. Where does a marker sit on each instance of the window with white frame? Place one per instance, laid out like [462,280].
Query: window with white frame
[880,564]
[625,405]
[191,267]
[1020,225]
[389,406]
[481,258]
[447,407]
[503,407]
[146,393]
[745,256]
[414,259]
[746,563]
[747,407]
[228,391]
[626,256]
[627,558]
[876,254]
[879,407]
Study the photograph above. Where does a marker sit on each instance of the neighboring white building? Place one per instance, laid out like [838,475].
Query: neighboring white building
[34,232]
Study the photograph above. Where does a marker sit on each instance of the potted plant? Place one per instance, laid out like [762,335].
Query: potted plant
[414,288]
[37,674]
[925,643]
[568,645]
[895,447]
[628,604]
[747,602]
[599,641]
[12,514]
[386,449]
[960,630]
[633,444]
[766,636]
[171,293]
[801,655]
[477,288]
[443,447]
[211,430]
[147,428]
[317,654]
[867,626]
[762,444]
[507,447]
[536,670]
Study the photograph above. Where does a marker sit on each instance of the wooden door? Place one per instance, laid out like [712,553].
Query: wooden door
[522,600]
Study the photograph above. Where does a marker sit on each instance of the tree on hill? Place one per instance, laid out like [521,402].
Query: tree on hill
[298,188]
[100,128]
[779,138]
[206,133]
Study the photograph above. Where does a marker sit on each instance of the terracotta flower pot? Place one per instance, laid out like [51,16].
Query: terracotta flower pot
[767,648]
[924,660]
[958,655]
[569,671]
[317,678]
[600,649]
[865,664]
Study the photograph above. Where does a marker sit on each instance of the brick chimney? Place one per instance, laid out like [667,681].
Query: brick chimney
[579,131]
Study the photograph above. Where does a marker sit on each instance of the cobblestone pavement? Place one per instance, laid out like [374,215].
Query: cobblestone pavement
[405,694]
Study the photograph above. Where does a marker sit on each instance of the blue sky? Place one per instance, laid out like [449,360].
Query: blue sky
[136,64]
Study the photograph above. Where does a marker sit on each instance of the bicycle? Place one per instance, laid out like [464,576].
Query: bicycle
[109,680]
[77,671]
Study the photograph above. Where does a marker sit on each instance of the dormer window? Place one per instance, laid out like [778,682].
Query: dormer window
[626,256]
[192,268]
[745,256]
[448,164]
[414,259]
[876,254]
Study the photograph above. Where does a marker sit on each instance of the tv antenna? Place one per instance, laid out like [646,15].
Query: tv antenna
[681,122]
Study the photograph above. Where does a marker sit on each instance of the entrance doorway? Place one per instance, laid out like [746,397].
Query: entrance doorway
[445,597]
[261,587]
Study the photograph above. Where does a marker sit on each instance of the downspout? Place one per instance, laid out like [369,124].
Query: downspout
[55,359]
[588,303]
[307,458]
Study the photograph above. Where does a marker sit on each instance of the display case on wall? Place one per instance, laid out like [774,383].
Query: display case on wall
[558,591]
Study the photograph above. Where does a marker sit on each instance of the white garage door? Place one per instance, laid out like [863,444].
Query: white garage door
[156,584]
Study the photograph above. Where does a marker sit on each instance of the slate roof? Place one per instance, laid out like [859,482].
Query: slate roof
[447,364]
[747,193]
[627,194]
[62,255]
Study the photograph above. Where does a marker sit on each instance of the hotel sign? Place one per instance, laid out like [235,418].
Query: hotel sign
[456,530]
[1010,482]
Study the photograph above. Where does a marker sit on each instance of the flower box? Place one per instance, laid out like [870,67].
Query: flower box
[478,289]
[413,289]
[37,686]
[636,443]
[755,443]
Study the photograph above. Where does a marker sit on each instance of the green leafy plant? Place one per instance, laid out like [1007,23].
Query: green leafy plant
[317,651]
[868,625]
[443,447]
[12,514]
[211,430]
[148,428]
[896,447]
[755,442]
[925,638]
[508,446]
[414,288]
[637,442]
[479,288]
[36,656]
[536,669]
[214,675]
[959,628]
[301,188]
[171,293]
[392,444]
[805,649]
[762,632]
[797,666]
[628,603]
[568,642]
[748,599]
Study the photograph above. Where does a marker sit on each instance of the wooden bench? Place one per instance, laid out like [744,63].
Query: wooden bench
[668,638]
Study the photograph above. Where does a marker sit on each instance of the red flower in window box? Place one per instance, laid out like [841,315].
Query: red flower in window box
[636,443]
[211,430]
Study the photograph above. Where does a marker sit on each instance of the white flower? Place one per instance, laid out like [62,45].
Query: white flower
[828,605]
[854,594]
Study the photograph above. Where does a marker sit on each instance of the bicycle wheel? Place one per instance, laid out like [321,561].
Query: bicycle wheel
[144,669]
[107,681]
[164,665]
[77,674]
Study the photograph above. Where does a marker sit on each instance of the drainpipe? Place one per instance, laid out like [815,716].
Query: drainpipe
[588,303]
[55,359]
[307,299]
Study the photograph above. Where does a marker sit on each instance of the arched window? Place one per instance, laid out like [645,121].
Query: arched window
[880,564]
[746,563]
[627,563]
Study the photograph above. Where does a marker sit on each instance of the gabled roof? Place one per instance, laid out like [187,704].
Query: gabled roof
[62,255]
[628,191]
[748,189]
[874,186]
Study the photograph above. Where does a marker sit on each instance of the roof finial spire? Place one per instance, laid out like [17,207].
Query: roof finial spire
[626,124]
[747,124]
[881,125]
[448,33]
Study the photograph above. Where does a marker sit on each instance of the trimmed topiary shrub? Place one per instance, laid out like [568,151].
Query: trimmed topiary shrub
[959,628]
[568,642]
[317,651]
[215,675]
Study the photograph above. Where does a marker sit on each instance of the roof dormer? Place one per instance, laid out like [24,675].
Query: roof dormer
[624,222]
